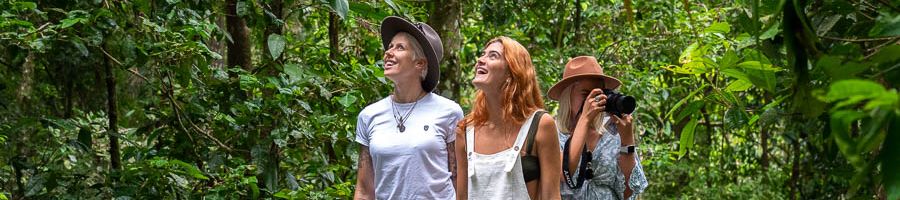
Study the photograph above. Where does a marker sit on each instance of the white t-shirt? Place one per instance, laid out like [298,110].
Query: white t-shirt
[411,164]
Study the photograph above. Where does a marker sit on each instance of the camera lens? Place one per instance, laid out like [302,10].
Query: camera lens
[619,104]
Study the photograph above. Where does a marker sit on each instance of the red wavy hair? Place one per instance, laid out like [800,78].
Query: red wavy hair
[520,97]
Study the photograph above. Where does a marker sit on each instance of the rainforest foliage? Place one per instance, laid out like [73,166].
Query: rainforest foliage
[257,99]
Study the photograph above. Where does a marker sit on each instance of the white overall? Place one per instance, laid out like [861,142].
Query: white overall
[499,175]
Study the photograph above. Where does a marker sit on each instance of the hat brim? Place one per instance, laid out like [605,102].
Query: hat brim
[390,26]
[556,91]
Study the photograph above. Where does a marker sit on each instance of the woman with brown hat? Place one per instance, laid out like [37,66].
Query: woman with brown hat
[599,156]
[507,148]
[407,139]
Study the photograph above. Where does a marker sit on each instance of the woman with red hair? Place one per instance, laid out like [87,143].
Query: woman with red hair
[509,148]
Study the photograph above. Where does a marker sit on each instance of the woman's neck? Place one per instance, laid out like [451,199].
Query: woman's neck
[407,91]
[495,108]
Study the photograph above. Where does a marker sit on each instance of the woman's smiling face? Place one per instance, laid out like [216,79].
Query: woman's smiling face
[491,69]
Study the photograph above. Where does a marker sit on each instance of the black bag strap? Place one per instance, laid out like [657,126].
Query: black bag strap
[584,166]
[532,130]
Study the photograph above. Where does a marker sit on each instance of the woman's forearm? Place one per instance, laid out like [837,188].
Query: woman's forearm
[576,146]
[365,182]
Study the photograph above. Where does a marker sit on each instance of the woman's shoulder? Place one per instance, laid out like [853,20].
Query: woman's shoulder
[379,106]
[442,102]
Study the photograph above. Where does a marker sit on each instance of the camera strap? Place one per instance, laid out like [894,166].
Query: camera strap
[583,166]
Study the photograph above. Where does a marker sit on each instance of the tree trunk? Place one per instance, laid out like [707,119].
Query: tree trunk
[112,131]
[447,26]
[334,23]
[764,144]
[239,47]
[23,93]
[577,27]
[561,24]
[628,10]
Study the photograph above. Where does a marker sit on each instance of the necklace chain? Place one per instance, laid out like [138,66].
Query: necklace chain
[403,117]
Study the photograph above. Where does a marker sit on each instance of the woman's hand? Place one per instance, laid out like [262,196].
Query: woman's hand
[594,104]
[626,128]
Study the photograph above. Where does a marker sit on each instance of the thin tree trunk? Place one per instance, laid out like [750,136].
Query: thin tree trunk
[628,10]
[239,53]
[561,26]
[334,23]
[577,27]
[447,26]
[764,144]
[23,93]
[112,131]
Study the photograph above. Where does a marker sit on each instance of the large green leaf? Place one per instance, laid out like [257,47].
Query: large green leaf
[833,66]
[853,88]
[887,54]
[340,7]
[686,142]
[276,45]
[841,121]
[718,27]
[189,169]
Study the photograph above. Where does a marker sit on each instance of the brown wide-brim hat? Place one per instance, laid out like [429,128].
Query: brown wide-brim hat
[580,68]
[428,39]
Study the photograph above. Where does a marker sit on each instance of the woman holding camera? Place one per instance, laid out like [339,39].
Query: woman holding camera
[407,138]
[599,154]
[507,148]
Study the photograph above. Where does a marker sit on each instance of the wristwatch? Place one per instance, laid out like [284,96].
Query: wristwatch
[627,149]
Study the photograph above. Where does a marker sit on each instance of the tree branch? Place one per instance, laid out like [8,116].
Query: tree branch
[859,39]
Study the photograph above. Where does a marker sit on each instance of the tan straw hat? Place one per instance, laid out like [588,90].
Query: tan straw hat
[579,68]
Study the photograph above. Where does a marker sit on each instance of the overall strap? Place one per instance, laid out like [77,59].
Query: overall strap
[470,149]
[524,131]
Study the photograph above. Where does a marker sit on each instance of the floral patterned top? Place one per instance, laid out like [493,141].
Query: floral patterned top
[608,181]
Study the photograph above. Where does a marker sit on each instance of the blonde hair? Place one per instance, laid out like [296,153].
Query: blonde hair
[563,112]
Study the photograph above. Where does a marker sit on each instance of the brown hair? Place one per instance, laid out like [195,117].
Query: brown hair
[521,95]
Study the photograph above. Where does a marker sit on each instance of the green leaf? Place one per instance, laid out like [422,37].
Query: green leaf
[248,82]
[293,71]
[854,87]
[833,66]
[735,118]
[887,54]
[276,45]
[81,48]
[242,8]
[738,86]
[368,11]
[69,22]
[689,110]
[689,97]
[189,169]
[340,7]
[686,142]
[840,127]
[22,6]
[771,32]
[718,27]
[347,100]
[35,185]
[886,25]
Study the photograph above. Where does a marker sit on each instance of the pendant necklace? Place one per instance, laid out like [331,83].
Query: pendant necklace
[400,118]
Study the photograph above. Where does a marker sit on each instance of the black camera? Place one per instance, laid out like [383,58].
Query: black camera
[618,104]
